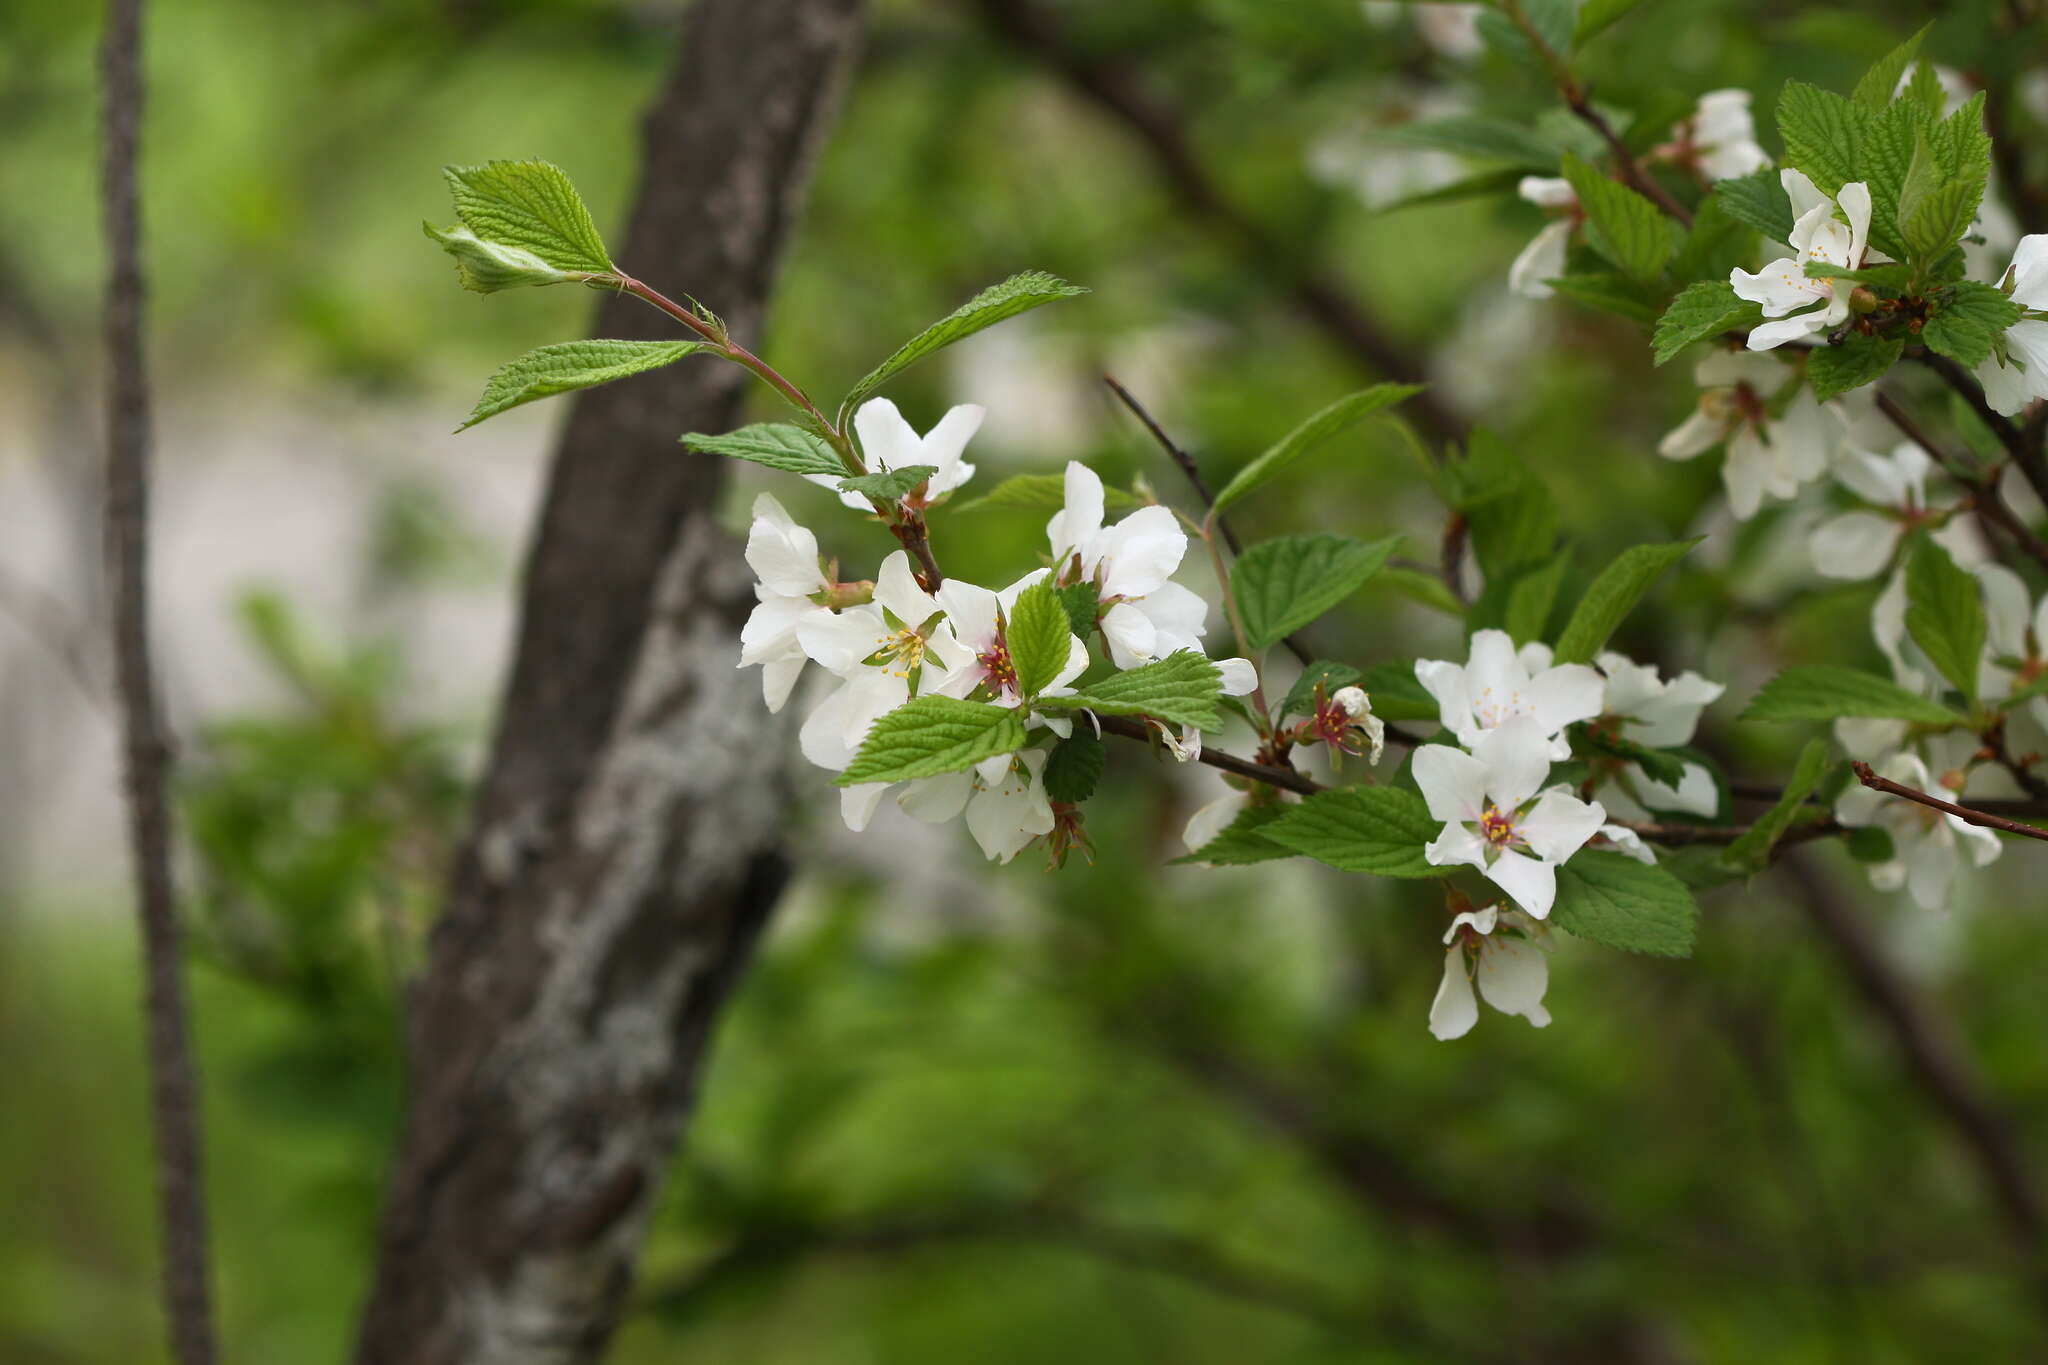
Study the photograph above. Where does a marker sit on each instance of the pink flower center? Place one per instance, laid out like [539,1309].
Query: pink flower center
[1497,827]
[996,668]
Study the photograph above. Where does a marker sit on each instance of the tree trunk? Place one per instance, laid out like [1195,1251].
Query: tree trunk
[625,850]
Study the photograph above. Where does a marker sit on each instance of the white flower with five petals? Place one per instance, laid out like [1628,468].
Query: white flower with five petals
[2022,376]
[1003,798]
[1656,713]
[1503,949]
[1722,136]
[1928,845]
[980,622]
[889,443]
[1494,818]
[1859,544]
[784,557]
[1766,455]
[1145,615]
[1784,288]
[1499,683]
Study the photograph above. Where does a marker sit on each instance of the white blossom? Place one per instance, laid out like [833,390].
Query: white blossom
[1928,845]
[1766,455]
[1146,616]
[1003,799]
[2022,377]
[1235,678]
[888,443]
[1498,683]
[2016,628]
[1658,714]
[784,557]
[1723,136]
[1504,949]
[1543,259]
[1783,287]
[980,622]
[1481,797]
[1859,544]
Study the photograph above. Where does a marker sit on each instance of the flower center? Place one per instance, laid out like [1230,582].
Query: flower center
[1491,708]
[901,651]
[996,669]
[1497,827]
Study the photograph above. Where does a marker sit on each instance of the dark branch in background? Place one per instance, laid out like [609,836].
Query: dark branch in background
[1118,91]
[173,1083]
[1983,488]
[1181,459]
[1870,779]
[1934,1059]
[2025,453]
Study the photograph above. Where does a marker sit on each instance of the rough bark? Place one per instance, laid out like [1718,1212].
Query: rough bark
[624,853]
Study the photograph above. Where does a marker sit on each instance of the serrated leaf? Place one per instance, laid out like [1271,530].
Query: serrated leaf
[1857,360]
[1822,132]
[1893,275]
[1345,412]
[1924,89]
[1964,147]
[1889,146]
[1074,767]
[532,206]
[1038,637]
[887,485]
[1475,135]
[1702,310]
[1940,220]
[1243,842]
[1945,614]
[1083,604]
[1282,584]
[569,365]
[1532,599]
[1424,588]
[1614,900]
[1181,688]
[1607,292]
[1301,697]
[777,445]
[1376,830]
[1828,692]
[1621,225]
[1757,199]
[1397,694]
[1038,493]
[1018,294]
[1751,853]
[930,736]
[1965,319]
[1613,595]
[1875,89]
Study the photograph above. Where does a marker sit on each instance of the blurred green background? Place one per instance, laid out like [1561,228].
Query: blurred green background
[958,1112]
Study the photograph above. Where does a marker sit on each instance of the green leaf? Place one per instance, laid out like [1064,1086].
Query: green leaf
[1037,634]
[1471,187]
[1555,20]
[1083,603]
[1243,840]
[1613,595]
[1941,219]
[1757,199]
[1702,310]
[1922,179]
[1301,697]
[532,206]
[570,365]
[1038,493]
[486,267]
[1875,89]
[1533,598]
[775,444]
[1855,361]
[1473,135]
[1608,292]
[1397,694]
[1375,830]
[1945,614]
[1596,15]
[1511,516]
[1828,691]
[1966,317]
[1018,294]
[1964,147]
[1283,584]
[1889,147]
[888,485]
[1893,275]
[1657,764]
[928,736]
[1343,413]
[1621,225]
[1614,900]
[1181,688]
[1924,90]
[1074,767]
[1424,588]
[1751,853]
[1823,134]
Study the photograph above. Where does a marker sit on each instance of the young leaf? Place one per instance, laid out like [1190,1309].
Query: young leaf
[1966,317]
[889,484]
[1704,309]
[1018,294]
[929,736]
[1181,688]
[569,365]
[1422,588]
[1608,292]
[532,206]
[1083,603]
[1940,220]
[1828,691]
[1038,493]
[1243,840]
[775,444]
[1343,413]
[1622,225]
[1874,91]
[1856,361]
[1823,133]
[1613,595]
[1301,696]
[1751,853]
[1376,830]
[1283,584]
[1397,694]
[1611,899]
[1074,767]
[1945,614]
[1532,599]
[1037,635]
[1757,199]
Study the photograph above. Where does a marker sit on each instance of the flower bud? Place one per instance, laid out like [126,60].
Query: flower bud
[1862,302]
[486,267]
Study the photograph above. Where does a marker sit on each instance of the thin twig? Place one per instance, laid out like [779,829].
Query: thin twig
[1869,778]
[174,1091]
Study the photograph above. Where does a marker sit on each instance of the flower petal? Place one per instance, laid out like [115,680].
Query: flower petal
[1455,1009]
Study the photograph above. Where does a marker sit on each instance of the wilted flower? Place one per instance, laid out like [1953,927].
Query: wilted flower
[1504,949]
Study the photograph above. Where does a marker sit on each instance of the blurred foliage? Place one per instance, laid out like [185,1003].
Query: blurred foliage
[1128,1113]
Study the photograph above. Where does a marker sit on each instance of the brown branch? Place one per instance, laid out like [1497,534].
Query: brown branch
[2025,453]
[1869,778]
[1936,1062]
[1983,488]
[174,1089]
[1319,298]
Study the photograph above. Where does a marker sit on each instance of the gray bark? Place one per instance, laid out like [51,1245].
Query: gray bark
[625,851]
